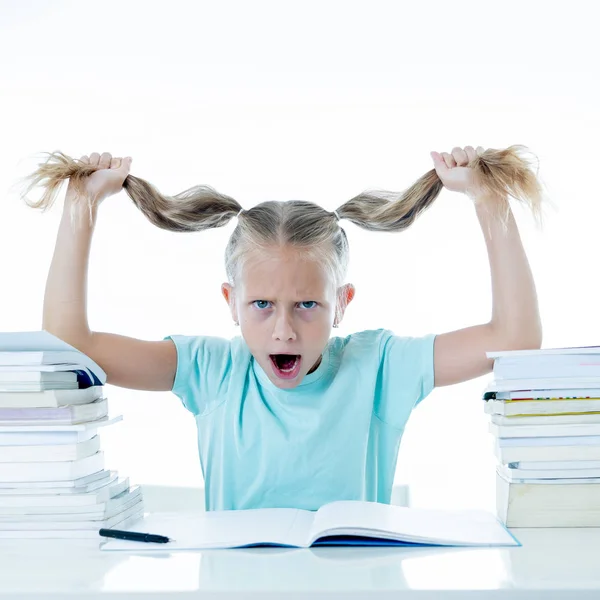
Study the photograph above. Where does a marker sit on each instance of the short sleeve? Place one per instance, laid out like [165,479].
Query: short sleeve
[203,367]
[406,376]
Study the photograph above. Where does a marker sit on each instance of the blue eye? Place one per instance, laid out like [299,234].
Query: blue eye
[309,302]
[262,301]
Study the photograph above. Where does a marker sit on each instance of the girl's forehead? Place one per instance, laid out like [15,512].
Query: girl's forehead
[284,274]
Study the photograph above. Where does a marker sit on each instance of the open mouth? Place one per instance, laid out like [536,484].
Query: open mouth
[286,366]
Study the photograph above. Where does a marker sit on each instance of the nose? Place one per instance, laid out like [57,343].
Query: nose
[284,328]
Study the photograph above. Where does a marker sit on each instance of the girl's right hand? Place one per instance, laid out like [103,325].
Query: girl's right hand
[107,180]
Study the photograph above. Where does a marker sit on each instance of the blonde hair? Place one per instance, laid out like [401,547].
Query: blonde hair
[309,228]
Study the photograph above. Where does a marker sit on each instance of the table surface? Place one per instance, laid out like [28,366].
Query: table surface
[561,563]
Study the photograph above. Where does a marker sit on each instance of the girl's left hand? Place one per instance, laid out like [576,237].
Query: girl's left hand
[452,169]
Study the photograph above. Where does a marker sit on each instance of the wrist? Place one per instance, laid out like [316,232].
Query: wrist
[80,209]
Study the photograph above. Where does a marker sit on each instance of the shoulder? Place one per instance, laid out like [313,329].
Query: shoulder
[384,344]
[205,365]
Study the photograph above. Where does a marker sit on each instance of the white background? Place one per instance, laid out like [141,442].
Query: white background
[314,100]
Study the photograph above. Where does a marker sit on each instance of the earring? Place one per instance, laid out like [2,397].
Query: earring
[236,324]
[335,325]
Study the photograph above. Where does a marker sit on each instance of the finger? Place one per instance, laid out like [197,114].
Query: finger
[115,163]
[449,160]
[438,163]
[94,158]
[105,160]
[125,164]
[471,153]
[460,156]
[479,150]
[85,159]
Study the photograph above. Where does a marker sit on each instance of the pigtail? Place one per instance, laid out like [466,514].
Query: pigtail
[196,209]
[500,174]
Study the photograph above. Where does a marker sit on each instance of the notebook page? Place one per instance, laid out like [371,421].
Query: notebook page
[218,529]
[456,527]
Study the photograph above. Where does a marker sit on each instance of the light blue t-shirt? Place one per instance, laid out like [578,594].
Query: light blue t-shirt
[333,437]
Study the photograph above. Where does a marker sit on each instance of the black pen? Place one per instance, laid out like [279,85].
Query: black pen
[134,536]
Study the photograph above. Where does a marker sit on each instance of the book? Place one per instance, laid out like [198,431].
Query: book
[536,352]
[556,383]
[33,382]
[537,505]
[43,341]
[36,428]
[555,464]
[573,440]
[45,438]
[40,357]
[346,522]
[545,394]
[564,419]
[63,414]
[517,474]
[540,407]
[50,398]
[533,371]
[53,453]
[66,522]
[125,519]
[51,471]
[47,373]
[547,453]
[546,430]
[50,499]
[105,509]
[81,485]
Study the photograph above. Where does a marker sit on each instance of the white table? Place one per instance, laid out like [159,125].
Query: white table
[552,563]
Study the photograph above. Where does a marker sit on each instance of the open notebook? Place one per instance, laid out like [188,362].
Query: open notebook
[345,522]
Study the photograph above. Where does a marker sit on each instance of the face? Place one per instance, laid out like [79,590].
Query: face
[286,305]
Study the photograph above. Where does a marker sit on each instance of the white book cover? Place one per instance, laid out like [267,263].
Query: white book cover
[67,523]
[548,359]
[544,351]
[545,420]
[541,453]
[556,383]
[342,522]
[555,481]
[25,375]
[42,341]
[575,440]
[511,473]
[102,510]
[43,357]
[77,413]
[546,430]
[517,372]
[50,398]
[125,519]
[556,464]
[83,485]
[53,471]
[102,494]
[546,394]
[45,438]
[52,427]
[53,453]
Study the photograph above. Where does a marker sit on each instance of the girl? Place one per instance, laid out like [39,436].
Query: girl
[286,415]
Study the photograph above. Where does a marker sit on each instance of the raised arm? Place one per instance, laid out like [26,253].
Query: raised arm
[128,362]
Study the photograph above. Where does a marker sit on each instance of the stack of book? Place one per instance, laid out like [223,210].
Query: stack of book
[53,480]
[544,407]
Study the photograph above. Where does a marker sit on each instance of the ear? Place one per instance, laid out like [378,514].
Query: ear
[345,296]
[229,295]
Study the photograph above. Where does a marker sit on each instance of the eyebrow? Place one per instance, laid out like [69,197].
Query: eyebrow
[309,295]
